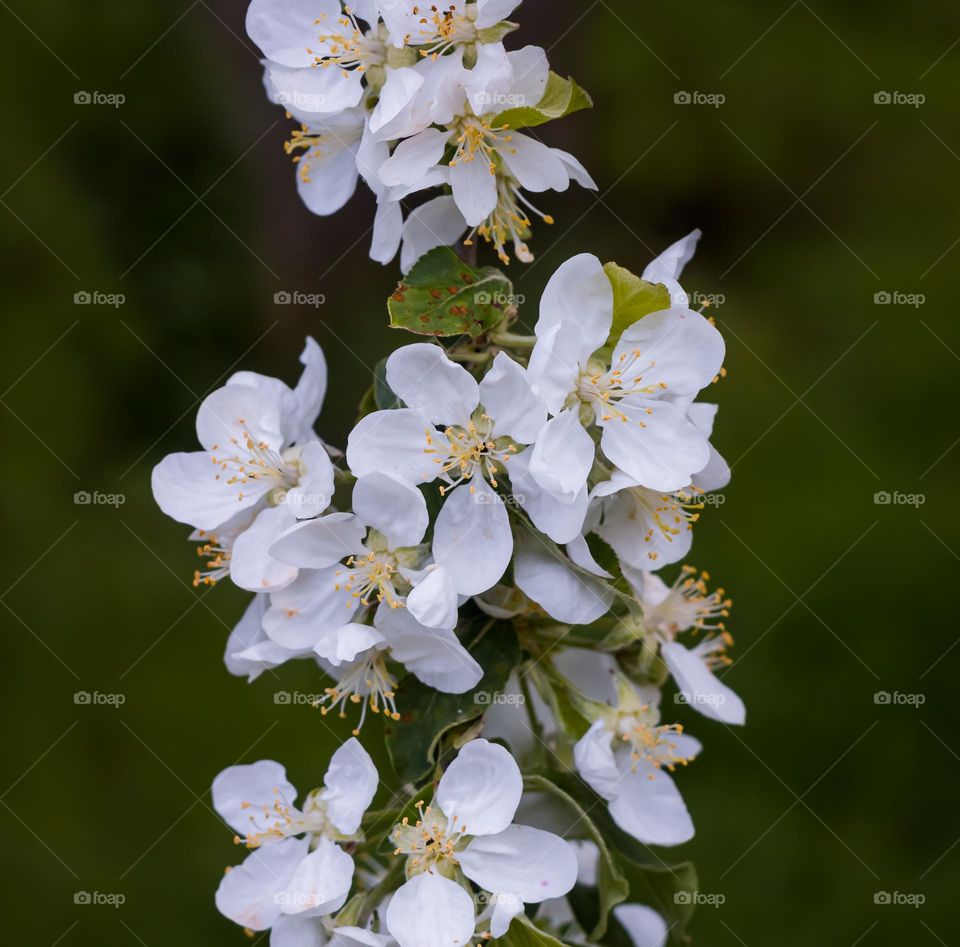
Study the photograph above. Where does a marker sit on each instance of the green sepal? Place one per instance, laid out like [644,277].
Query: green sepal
[633,298]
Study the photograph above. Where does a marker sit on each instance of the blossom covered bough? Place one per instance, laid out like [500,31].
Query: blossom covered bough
[478,572]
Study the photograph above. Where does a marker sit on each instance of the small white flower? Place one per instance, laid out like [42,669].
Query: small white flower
[297,870]
[623,758]
[463,433]
[261,469]
[670,610]
[631,395]
[466,832]
[437,28]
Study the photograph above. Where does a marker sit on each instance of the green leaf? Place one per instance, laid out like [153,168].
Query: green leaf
[495,33]
[379,396]
[426,715]
[561,97]
[648,878]
[443,296]
[524,933]
[633,298]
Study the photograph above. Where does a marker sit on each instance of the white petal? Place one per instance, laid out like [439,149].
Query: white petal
[530,73]
[245,796]
[393,442]
[437,223]
[700,687]
[309,610]
[424,378]
[286,29]
[507,396]
[391,506]
[314,90]
[649,807]
[393,117]
[433,601]
[596,764]
[472,537]
[291,930]
[319,543]
[387,231]
[326,179]
[431,911]
[481,788]
[358,937]
[488,82]
[474,189]
[350,785]
[308,395]
[321,882]
[575,170]
[579,293]
[491,12]
[413,157]
[655,444]
[192,489]
[550,581]
[532,864]
[563,455]
[555,363]
[683,349]
[248,892]
[580,555]
[534,165]
[249,652]
[667,267]
[238,410]
[251,565]
[433,656]
[644,926]
[344,644]
[314,490]
[560,518]
[505,908]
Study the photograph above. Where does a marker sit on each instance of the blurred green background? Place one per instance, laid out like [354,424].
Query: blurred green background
[813,198]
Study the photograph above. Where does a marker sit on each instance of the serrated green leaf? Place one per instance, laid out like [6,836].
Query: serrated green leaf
[648,878]
[561,97]
[443,296]
[426,715]
[633,298]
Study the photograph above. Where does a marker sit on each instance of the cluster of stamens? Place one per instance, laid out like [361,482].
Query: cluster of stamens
[261,462]
[439,29]
[219,560]
[463,451]
[604,389]
[366,683]
[690,604]
[279,820]
[672,514]
[509,222]
[369,578]
[650,742]
[347,47]
[430,841]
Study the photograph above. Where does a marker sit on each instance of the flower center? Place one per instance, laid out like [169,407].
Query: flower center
[432,842]
[689,604]
[509,221]
[603,388]
[218,565]
[281,819]
[370,578]
[316,145]
[441,29]
[649,742]
[669,514]
[366,682]
[462,452]
[347,47]
[254,460]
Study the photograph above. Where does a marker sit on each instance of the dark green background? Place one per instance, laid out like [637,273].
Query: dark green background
[812,198]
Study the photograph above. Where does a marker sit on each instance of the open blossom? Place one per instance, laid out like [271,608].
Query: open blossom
[460,432]
[688,605]
[632,394]
[624,757]
[260,470]
[467,832]
[297,871]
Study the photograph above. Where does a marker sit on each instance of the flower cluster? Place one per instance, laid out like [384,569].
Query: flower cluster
[411,97]
[494,528]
